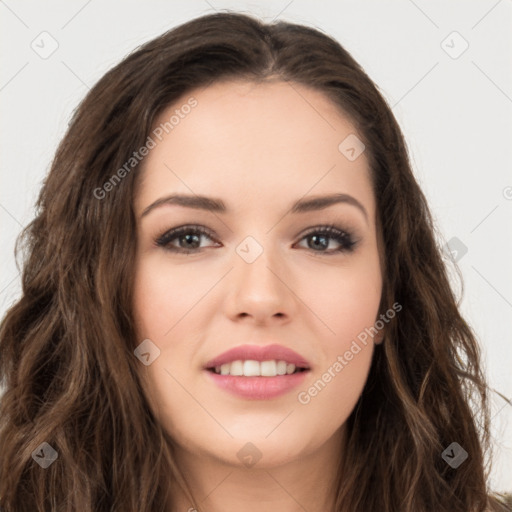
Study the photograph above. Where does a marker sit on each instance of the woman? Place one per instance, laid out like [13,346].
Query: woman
[310,356]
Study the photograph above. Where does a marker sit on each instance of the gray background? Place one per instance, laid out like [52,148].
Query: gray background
[454,107]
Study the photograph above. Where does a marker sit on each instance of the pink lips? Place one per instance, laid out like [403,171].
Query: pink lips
[259,353]
[258,388]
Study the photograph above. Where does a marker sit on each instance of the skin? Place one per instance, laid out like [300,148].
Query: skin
[259,148]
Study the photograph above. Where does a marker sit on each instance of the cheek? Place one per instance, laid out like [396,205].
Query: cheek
[345,300]
[335,390]
[161,298]
[161,301]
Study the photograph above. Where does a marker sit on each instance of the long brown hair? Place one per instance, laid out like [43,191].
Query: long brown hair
[66,346]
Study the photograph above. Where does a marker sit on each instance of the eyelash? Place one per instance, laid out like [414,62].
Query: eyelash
[343,237]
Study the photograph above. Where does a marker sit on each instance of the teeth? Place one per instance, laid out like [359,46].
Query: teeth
[251,368]
[268,368]
[281,367]
[237,368]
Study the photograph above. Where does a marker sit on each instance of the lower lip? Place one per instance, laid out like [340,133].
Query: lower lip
[258,388]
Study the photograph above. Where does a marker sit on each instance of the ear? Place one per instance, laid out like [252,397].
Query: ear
[379,337]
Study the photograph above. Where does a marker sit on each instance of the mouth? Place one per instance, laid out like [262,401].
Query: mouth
[256,372]
[253,368]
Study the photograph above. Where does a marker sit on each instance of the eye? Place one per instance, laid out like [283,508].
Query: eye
[188,236]
[321,235]
[187,239]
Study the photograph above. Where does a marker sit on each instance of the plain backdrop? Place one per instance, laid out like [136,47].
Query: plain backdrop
[444,67]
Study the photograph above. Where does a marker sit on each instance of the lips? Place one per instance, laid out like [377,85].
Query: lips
[254,372]
[259,353]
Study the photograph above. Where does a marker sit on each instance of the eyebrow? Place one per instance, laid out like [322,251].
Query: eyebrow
[215,205]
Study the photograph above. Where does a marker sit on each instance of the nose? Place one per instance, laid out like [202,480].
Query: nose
[261,291]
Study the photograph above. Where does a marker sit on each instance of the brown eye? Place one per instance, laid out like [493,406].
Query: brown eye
[185,239]
[319,240]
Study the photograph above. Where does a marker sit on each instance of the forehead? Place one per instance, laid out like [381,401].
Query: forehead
[253,141]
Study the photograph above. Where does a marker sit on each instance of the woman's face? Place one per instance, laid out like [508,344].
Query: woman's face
[263,273]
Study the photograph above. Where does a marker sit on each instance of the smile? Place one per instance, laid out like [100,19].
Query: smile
[257,372]
[252,368]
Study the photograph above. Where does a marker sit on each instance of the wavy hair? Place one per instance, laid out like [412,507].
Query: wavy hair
[67,366]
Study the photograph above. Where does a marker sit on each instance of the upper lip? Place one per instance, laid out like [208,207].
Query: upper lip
[259,353]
